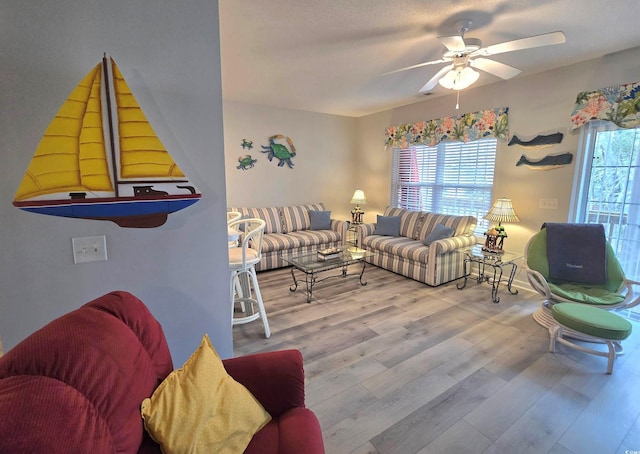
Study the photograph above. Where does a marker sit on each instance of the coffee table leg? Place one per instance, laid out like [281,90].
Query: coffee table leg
[294,286]
[364,264]
[310,280]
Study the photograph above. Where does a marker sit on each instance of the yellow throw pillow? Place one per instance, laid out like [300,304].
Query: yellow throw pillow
[200,408]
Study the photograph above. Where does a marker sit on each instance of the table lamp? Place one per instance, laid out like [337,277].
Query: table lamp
[501,211]
[358,199]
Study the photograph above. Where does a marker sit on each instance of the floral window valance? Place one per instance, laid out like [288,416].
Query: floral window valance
[465,128]
[617,104]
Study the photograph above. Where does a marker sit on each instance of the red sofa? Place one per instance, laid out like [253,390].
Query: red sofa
[76,385]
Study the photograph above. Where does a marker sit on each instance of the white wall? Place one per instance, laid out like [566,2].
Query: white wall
[169,54]
[537,103]
[324,166]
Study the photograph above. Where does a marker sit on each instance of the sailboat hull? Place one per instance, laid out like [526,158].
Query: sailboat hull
[124,211]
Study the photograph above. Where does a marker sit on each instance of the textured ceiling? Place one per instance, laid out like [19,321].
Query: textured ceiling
[329,56]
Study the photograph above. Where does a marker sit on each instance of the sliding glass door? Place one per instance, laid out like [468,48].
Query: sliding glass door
[607,188]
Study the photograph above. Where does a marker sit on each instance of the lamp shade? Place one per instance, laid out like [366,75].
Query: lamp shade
[502,211]
[359,198]
[458,79]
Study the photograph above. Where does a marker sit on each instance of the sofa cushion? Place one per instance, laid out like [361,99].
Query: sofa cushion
[296,217]
[320,220]
[438,233]
[398,246]
[387,225]
[410,222]
[463,225]
[270,215]
[279,242]
[315,237]
[201,391]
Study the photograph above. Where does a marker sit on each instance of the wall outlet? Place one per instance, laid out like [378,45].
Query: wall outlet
[549,204]
[89,249]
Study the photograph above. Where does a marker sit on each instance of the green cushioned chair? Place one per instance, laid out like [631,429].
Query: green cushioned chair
[616,293]
[595,323]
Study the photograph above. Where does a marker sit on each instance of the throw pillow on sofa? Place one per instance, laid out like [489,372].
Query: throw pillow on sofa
[439,232]
[200,406]
[320,220]
[388,225]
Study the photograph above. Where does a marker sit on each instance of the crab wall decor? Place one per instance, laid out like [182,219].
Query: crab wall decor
[246,162]
[277,148]
[248,144]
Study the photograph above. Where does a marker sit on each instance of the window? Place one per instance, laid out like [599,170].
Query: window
[607,188]
[450,178]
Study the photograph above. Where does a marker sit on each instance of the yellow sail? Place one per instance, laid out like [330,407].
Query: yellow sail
[142,155]
[71,156]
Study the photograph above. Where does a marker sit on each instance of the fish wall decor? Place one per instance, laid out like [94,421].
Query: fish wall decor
[547,163]
[539,141]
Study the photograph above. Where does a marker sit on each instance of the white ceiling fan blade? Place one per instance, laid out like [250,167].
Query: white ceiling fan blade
[419,65]
[546,39]
[495,67]
[454,43]
[434,80]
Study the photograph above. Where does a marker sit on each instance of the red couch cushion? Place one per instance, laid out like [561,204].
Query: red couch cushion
[296,431]
[78,382]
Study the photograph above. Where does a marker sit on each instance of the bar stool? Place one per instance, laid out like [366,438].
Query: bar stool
[243,276]
[233,216]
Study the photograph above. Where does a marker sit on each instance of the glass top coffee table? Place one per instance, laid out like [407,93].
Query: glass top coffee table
[311,264]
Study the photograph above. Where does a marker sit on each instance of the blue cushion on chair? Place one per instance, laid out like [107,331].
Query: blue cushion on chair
[320,220]
[388,225]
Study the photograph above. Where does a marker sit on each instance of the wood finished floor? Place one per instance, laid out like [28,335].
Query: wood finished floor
[400,367]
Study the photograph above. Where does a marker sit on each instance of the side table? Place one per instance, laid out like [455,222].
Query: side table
[352,235]
[486,262]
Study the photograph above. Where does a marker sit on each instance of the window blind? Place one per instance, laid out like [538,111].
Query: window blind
[450,178]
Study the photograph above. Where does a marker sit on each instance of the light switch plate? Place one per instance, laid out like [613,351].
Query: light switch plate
[89,249]
[549,204]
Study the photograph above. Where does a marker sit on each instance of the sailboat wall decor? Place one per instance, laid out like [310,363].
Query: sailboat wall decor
[100,159]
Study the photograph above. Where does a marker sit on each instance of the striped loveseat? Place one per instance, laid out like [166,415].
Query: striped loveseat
[288,230]
[442,261]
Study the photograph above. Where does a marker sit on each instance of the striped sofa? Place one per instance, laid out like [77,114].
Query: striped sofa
[288,230]
[441,262]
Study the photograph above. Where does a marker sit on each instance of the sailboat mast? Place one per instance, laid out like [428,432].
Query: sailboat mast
[110,120]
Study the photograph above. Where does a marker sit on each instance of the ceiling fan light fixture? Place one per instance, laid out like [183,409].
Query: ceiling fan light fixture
[459,79]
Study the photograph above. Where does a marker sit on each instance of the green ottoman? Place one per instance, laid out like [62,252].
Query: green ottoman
[598,324]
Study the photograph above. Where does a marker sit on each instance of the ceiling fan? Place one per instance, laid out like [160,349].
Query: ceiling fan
[464,54]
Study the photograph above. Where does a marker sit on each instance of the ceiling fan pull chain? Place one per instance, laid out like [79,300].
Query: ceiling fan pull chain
[458,100]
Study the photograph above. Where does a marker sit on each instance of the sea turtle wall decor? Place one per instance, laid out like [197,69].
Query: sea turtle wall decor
[246,162]
[278,149]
